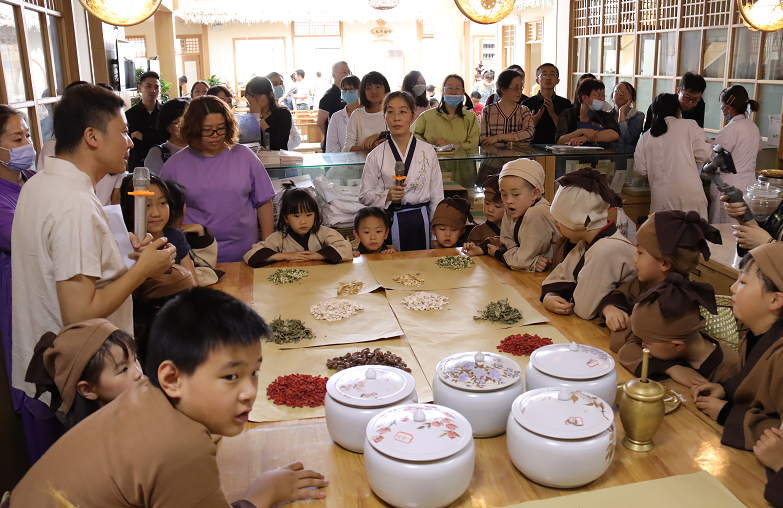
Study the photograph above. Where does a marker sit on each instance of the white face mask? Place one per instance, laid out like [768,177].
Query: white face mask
[597,105]
[419,90]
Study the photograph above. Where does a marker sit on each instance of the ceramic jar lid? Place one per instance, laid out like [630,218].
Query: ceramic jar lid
[572,361]
[370,386]
[562,413]
[419,432]
[476,371]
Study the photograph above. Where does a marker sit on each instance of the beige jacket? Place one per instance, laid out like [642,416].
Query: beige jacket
[326,241]
[529,237]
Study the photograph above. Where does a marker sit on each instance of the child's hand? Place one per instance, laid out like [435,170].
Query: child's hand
[557,304]
[285,484]
[295,257]
[392,249]
[313,256]
[355,253]
[710,406]
[769,449]
[492,249]
[192,228]
[686,376]
[471,249]
[708,390]
[542,263]
[616,319]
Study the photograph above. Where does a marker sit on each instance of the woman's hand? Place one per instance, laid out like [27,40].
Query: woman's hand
[558,304]
[471,249]
[369,142]
[253,104]
[490,140]
[750,237]
[578,141]
[439,142]
[262,123]
[616,319]
[396,193]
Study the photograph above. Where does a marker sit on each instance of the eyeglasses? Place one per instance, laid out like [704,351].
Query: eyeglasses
[548,75]
[625,92]
[515,89]
[451,90]
[689,100]
[208,133]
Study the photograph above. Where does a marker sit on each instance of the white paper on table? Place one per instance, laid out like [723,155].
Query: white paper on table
[117,226]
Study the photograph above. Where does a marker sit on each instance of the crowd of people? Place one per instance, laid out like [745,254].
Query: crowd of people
[80,325]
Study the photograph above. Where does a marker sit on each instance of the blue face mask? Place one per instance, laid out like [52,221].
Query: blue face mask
[350,96]
[22,157]
[279,91]
[453,100]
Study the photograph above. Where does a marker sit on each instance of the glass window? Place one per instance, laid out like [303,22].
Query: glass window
[749,87]
[580,54]
[46,119]
[54,43]
[690,49]
[593,54]
[39,73]
[712,114]
[11,56]
[663,86]
[745,54]
[715,41]
[609,84]
[644,92]
[626,54]
[666,53]
[610,55]
[772,59]
[770,99]
[647,54]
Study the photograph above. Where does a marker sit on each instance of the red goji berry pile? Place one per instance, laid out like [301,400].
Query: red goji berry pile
[298,390]
[519,345]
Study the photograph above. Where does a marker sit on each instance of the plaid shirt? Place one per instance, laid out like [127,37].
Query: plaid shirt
[519,123]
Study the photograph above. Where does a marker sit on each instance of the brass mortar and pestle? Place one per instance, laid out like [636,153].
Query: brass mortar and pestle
[641,410]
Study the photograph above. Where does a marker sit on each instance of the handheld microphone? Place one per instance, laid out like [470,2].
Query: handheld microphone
[141,186]
[399,174]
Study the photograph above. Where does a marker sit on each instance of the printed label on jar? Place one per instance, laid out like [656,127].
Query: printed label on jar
[575,420]
[403,437]
[592,362]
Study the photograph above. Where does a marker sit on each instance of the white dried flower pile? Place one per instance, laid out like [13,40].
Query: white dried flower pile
[335,310]
[425,301]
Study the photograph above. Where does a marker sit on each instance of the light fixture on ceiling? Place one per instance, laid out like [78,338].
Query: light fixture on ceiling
[485,12]
[121,12]
[383,5]
[764,15]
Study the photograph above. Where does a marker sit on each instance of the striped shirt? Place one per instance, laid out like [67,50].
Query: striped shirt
[519,123]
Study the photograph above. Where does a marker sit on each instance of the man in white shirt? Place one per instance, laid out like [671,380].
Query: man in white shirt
[66,264]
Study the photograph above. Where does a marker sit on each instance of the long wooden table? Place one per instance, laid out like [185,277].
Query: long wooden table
[686,443]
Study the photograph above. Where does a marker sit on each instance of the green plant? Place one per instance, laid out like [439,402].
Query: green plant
[215,80]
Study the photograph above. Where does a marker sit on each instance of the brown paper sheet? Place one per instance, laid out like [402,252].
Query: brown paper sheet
[321,279]
[456,317]
[697,490]
[431,349]
[313,361]
[376,321]
[434,276]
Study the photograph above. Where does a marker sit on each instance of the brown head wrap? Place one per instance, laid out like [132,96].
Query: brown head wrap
[452,212]
[175,280]
[669,310]
[492,190]
[59,360]
[677,237]
[769,258]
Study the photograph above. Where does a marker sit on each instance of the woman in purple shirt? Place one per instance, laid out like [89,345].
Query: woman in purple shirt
[229,191]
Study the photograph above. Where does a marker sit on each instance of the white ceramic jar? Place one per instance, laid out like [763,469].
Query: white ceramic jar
[419,455]
[561,438]
[355,395]
[573,366]
[481,387]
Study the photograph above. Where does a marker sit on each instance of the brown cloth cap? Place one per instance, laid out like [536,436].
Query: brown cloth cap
[175,280]
[527,169]
[452,212]
[769,258]
[669,310]
[59,360]
[492,190]
[677,237]
[593,181]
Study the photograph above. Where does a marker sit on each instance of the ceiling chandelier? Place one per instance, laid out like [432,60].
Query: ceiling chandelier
[764,15]
[383,5]
[485,12]
[121,12]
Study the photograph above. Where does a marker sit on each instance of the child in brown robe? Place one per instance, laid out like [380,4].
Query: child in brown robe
[151,446]
[300,235]
[750,404]
[668,242]
[371,229]
[528,233]
[86,366]
[493,211]
[666,320]
[602,258]
[448,222]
